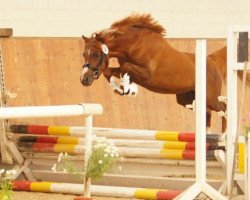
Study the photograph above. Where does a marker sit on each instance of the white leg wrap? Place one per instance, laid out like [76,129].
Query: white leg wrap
[133,90]
[125,81]
[114,83]
[129,89]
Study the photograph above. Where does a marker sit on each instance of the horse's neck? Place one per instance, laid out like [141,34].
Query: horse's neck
[115,49]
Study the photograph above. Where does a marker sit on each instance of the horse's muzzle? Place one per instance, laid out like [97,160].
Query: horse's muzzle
[86,81]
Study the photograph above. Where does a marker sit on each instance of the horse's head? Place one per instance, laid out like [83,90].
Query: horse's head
[96,59]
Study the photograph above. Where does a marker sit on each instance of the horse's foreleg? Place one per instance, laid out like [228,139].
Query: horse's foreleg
[135,71]
[109,72]
[113,77]
[117,83]
[128,87]
[130,73]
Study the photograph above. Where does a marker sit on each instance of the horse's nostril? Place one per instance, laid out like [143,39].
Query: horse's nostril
[86,79]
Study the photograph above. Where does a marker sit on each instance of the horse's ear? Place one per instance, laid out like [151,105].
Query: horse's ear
[85,39]
[99,38]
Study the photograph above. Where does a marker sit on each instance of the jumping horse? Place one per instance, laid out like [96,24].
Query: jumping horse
[146,58]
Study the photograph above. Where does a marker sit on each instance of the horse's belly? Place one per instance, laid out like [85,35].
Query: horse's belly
[174,80]
[167,87]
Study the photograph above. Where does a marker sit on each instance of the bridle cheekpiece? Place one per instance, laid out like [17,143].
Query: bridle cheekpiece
[96,69]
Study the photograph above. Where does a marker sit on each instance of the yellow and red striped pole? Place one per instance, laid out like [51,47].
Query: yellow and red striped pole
[123,151]
[96,190]
[111,133]
[118,142]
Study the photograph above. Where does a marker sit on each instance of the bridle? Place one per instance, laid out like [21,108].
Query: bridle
[96,69]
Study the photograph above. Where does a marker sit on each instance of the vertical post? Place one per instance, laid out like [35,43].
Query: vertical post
[247,166]
[200,109]
[232,114]
[88,146]
[6,157]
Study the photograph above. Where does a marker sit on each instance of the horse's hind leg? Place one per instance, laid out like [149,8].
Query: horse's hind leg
[218,106]
[224,124]
[188,98]
[221,106]
[208,121]
[113,77]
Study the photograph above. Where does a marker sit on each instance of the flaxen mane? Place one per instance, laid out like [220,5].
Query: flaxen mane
[136,20]
[140,21]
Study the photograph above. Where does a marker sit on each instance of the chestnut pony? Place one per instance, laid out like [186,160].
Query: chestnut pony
[146,57]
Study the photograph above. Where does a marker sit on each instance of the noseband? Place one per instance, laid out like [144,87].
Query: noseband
[96,69]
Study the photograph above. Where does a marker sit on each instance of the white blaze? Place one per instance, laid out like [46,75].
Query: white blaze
[84,71]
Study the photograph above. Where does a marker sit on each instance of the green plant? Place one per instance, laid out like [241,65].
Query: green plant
[65,164]
[5,184]
[103,156]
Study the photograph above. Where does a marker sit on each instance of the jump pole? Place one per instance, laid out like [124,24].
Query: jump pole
[113,133]
[97,190]
[200,185]
[57,140]
[62,111]
[50,111]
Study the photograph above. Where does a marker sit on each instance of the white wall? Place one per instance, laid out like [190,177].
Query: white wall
[71,18]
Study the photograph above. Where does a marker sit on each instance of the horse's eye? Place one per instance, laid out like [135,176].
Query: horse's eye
[95,54]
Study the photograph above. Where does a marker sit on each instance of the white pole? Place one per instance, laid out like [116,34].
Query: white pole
[200,112]
[231,102]
[88,145]
[50,111]
[200,121]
